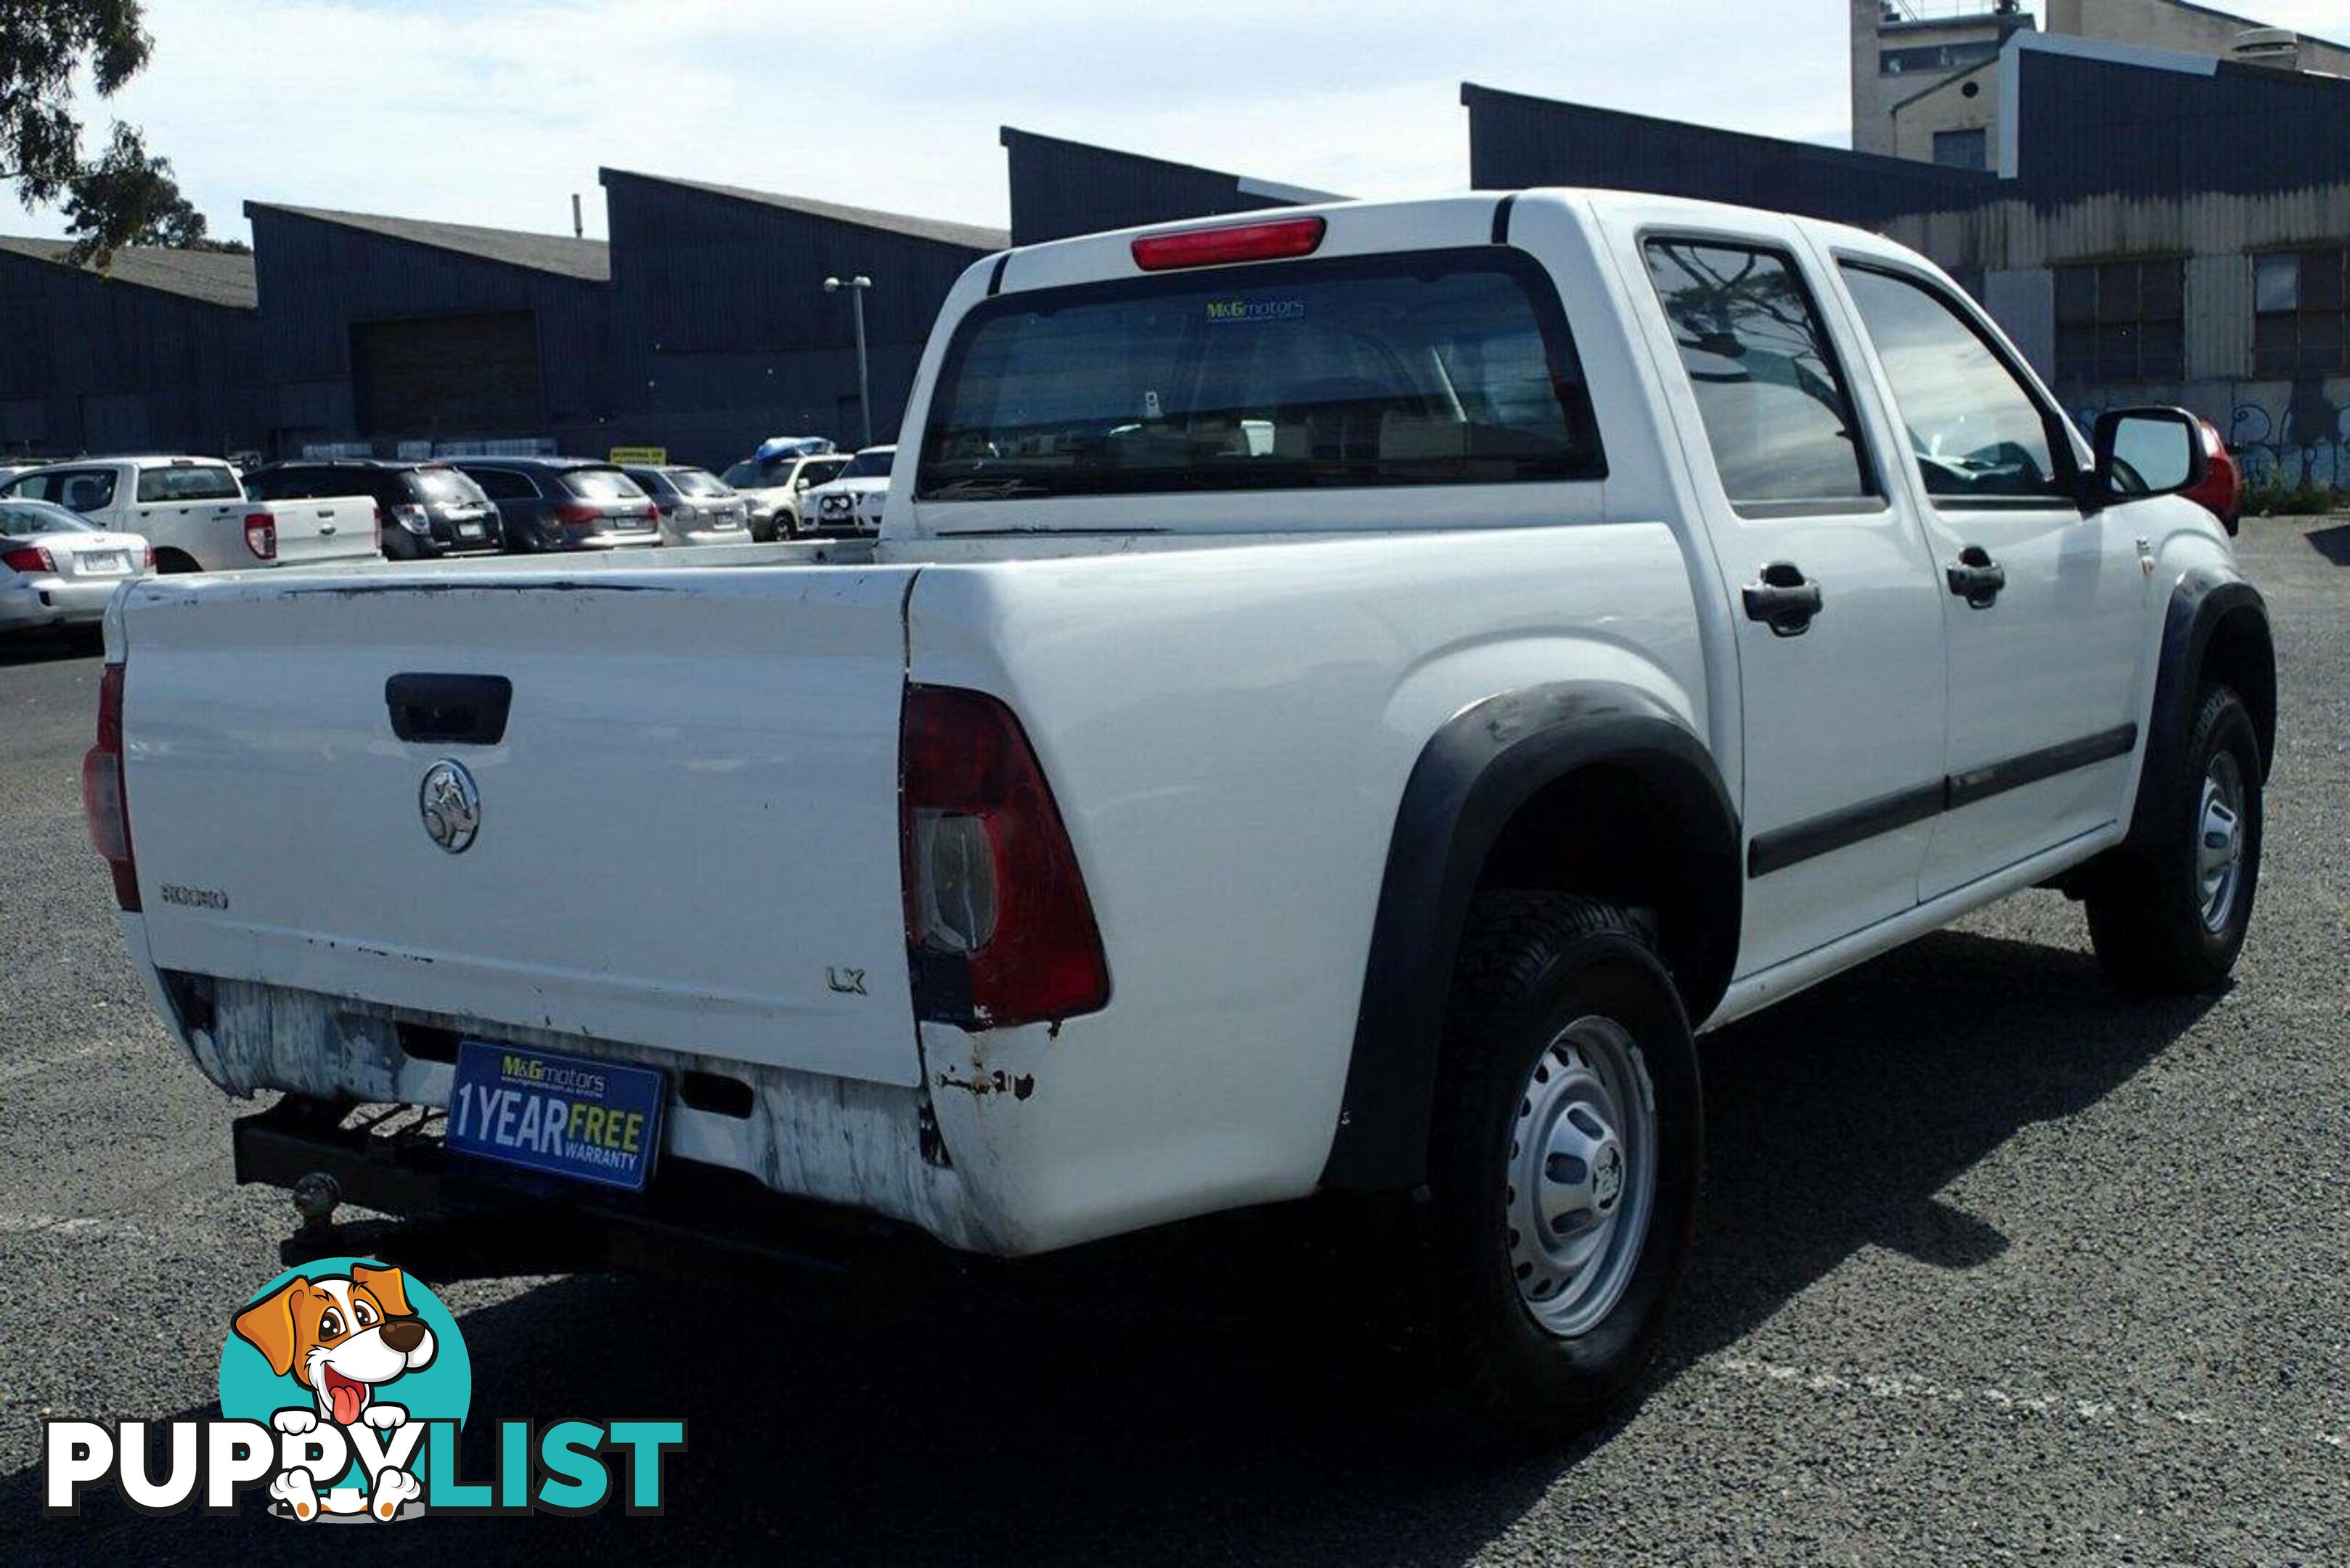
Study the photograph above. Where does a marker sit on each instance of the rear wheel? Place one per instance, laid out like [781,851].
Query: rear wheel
[175,561]
[2171,916]
[1565,1163]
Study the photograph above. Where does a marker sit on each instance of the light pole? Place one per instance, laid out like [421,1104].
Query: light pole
[857,287]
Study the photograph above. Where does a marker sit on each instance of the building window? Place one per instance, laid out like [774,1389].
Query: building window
[1932,57]
[2302,320]
[1962,148]
[2121,321]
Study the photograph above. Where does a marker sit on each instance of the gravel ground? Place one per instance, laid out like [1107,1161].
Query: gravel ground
[1994,1264]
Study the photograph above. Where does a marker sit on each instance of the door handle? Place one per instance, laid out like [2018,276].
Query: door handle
[449,710]
[1784,600]
[1977,579]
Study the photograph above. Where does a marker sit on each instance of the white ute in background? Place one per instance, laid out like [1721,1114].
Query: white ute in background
[194,512]
[1337,700]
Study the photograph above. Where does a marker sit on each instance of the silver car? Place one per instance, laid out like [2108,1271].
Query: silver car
[56,570]
[695,507]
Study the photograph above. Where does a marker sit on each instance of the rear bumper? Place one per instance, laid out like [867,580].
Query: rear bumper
[840,1143]
[56,601]
[462,1219]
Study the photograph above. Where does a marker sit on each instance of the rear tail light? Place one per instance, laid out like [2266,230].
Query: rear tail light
[261,535]
[31,558]
[578,515]
[409,515]
[1277,240]
[102,799]
[998,924]
[148,559]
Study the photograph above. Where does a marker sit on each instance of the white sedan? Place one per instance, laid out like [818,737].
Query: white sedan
[55,569]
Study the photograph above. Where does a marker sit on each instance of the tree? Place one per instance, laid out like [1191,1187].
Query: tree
[127,196]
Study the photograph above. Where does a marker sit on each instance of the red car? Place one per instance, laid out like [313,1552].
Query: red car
[2220,483]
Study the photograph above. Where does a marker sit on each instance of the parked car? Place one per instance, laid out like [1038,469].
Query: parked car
[695,507]
[1341,698]
[429,509]
[552,503]
[195,514]
[55,569]
[2221,490]
[850,502]
[775,488]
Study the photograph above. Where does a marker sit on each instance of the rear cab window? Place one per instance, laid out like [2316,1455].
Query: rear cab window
[601,484]
[1416,368]
[189,481]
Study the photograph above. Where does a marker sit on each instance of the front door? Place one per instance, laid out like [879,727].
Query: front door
[1833,593]
[2046,605]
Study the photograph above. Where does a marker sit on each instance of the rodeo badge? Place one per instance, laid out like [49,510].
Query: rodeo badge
[344,1385]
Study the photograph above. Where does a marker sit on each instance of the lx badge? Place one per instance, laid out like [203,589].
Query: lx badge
[849,980]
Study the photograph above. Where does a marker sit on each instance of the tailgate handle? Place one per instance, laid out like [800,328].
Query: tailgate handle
[449,710]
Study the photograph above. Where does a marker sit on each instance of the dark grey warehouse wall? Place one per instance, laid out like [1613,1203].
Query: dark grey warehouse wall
[1065,188]
[321,277]
[91,363]
[723,333]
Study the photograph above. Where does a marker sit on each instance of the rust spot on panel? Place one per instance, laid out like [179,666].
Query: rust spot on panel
[979,1085]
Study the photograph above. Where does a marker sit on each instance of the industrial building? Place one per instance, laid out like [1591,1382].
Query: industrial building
[723,332]
[1063,188]
[159,351]
[396,335]
[2152,196]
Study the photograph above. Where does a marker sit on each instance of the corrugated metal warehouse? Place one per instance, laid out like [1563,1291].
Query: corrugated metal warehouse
[159,352]
[394,332]
[1064,188]
[722,333]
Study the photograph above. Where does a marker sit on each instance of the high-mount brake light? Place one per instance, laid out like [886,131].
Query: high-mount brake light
[1277,239]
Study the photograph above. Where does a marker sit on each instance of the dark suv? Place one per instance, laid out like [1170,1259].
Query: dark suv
[564,503]
[424,509]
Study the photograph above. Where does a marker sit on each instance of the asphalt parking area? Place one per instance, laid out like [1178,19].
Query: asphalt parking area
[1994,1262]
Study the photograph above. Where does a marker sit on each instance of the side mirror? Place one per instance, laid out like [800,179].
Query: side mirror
[2147,452]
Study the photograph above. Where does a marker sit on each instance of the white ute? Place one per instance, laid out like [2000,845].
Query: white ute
[194,512]
[1337,700]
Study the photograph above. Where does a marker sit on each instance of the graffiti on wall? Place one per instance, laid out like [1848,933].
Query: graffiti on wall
[2289,433]
[2294,436]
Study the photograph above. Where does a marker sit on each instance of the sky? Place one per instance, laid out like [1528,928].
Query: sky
[496,112]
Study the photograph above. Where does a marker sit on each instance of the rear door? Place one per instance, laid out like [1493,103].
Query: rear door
[684,830]
[1840,637]
[2046,606]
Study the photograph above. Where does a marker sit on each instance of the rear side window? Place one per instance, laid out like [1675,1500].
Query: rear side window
[196,482]
[504,484]
[1777,411]
[601,484]
[442,485]
[1431,367]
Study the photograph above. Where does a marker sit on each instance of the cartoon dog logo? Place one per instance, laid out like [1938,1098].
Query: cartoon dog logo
[342,1337]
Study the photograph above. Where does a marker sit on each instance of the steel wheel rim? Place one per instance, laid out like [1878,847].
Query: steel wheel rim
[1580,1178]
[2219,840]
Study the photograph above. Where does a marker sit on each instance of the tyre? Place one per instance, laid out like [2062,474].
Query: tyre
[2170,916]
[1565,1161]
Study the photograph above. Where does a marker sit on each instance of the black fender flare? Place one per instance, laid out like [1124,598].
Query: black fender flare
[2202,602]
[1472,777]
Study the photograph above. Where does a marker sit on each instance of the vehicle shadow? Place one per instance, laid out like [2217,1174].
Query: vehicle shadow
[1166,1402]
[2334,543]
[48,646]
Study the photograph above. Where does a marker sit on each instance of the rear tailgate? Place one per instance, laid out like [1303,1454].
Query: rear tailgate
[340,529]
[688,832]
